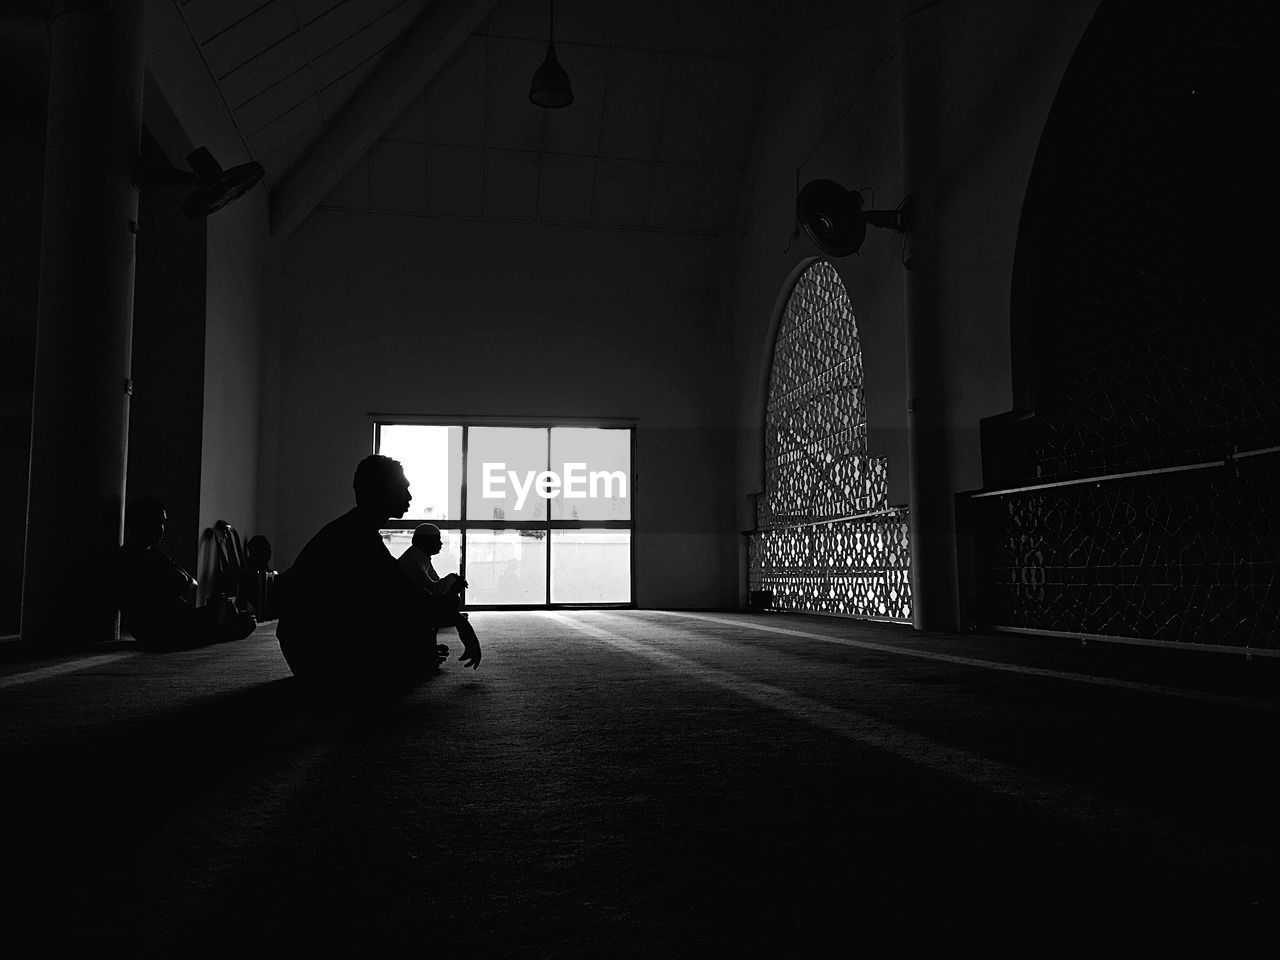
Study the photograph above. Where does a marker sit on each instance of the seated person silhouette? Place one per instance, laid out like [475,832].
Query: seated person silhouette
[257,553]
[348,615]
[255,579]
[157,596]
[416,562]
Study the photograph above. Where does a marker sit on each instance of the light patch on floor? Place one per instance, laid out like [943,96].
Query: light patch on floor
[1054,798]
[58,669]
[984,664]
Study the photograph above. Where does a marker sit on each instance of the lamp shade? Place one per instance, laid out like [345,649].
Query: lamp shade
[551,87]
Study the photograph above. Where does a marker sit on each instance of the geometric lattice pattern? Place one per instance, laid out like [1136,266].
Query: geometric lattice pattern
[1184,392]
[1182,557]
[826,540]
[816,465]
[859,567]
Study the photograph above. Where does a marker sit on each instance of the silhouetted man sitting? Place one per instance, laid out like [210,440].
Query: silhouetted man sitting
[157,596]
[447,590]
[348,614]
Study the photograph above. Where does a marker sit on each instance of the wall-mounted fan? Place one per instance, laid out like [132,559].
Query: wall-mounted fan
[833,217]
[212,187]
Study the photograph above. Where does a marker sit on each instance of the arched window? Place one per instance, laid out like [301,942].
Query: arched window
[827,540]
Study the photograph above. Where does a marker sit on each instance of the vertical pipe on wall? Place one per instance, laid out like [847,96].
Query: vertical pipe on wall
[933,564]
[80,410]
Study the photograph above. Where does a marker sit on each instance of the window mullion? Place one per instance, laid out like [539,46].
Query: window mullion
[547,586]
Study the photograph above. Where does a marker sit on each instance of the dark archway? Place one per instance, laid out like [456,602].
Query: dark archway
[1141,350]
[1135,322]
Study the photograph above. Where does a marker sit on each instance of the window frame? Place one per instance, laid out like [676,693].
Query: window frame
[463,524]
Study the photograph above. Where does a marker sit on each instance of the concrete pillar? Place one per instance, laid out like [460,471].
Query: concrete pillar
[933,551]
[80,410]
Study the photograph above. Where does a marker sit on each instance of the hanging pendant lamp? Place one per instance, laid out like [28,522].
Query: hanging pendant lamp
[551,88]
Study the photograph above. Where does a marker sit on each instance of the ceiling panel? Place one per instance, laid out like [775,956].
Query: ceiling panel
[349,22]
[620,191]
[704,27]
[512,121]
[675,196]
[511,184]
[565,188]
[300,123]
[667,93]
[455,99]
[309,10]
[645,26]
[337,93]
[367,42]
[577,129]
[634,105]
[276,100]
[735,117]
[588,21]
[207,18]
[719,205]
[689,108]
[751,27]
[353,192]
[523,18]
[281,160]
[249,39]
[282,61]
[455,181]
[412,125]
[398,177]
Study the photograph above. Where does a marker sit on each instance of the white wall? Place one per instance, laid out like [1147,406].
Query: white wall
[406,315]
[236,315]
[1002,62]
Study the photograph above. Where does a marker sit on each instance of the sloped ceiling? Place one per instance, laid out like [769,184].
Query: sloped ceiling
[657,138]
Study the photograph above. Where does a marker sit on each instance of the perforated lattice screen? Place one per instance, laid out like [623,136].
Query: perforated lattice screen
[1183,557]
[827,540]
[860,567]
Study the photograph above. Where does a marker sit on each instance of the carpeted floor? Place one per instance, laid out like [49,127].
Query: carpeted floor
[643,784]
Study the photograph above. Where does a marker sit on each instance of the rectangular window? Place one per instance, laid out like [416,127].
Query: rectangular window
[596,465]
[531,515]
[432,459]
[506,567]
[590,566]
[503,464]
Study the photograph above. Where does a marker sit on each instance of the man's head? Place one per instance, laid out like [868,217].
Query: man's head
[144,521]
[427,538]
[258,551]
[381,486]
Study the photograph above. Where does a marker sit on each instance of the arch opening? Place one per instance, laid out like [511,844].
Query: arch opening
[826,538]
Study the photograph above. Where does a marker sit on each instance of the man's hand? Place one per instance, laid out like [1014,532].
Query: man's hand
[451,584]
[470,651]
